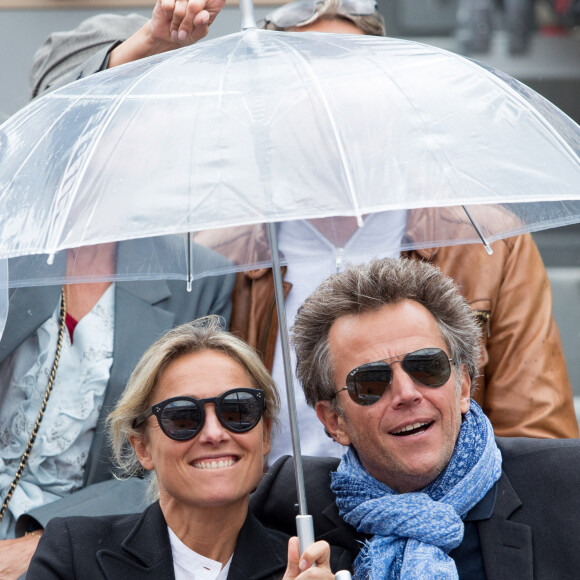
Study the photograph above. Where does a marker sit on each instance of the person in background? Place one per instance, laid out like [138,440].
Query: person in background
[108,40]
[523,383]
[79,343]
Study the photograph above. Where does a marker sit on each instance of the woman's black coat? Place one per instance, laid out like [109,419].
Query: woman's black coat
[137,546]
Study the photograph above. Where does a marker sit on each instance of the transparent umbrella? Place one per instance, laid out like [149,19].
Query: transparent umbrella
[233,135]
[262,126]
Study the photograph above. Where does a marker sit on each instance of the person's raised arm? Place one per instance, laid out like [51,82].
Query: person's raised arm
[108,40]
[173,24]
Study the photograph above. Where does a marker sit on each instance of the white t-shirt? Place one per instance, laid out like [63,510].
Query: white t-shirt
[298,242]
[189,565]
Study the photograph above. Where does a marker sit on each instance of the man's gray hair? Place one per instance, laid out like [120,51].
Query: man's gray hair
[367,288]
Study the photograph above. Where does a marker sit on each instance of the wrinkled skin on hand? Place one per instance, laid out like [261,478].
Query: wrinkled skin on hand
[15,556]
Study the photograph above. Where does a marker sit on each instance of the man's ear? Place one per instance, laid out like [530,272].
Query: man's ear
[333,422]
[465,394]
[141,447]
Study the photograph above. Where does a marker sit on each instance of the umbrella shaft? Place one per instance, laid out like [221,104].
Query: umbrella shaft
[284,343]
[247,14]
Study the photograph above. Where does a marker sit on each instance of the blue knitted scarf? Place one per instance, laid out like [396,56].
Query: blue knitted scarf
[413,533]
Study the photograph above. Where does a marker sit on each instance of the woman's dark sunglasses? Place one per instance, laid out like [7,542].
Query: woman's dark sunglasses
[182,418]
[366,384]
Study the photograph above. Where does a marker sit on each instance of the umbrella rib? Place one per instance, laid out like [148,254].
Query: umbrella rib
[335,131]
[497,79]
[478,230]
[45,135]
[92,148]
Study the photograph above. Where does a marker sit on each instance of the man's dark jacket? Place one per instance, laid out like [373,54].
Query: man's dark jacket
[534,530]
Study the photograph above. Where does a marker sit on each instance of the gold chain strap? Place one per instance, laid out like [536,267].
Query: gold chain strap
[26,454]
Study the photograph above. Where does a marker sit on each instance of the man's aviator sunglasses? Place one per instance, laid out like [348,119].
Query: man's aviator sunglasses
[182,418]
[367,384]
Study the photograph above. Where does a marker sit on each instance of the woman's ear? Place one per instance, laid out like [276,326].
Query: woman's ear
[141,446]
[267,436]
[333,422]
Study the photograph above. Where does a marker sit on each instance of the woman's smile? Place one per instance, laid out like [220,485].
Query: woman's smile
[215,462]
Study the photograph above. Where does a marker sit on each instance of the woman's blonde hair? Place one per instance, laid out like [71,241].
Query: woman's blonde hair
[200,335]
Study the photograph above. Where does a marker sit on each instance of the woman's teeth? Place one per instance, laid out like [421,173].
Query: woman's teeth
[214,464]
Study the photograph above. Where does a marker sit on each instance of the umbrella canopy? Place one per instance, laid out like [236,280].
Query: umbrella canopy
[262,126]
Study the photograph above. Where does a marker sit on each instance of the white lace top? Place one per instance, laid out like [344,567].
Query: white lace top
[56,464]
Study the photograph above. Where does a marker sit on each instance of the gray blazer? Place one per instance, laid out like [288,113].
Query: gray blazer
[69,55]
[144,310]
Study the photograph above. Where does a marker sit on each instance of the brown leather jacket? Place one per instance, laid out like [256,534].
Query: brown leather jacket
[524,387]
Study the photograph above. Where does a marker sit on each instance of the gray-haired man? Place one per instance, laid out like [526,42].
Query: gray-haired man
[387,354]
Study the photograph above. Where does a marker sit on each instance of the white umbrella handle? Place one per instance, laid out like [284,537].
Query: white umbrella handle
[305,529]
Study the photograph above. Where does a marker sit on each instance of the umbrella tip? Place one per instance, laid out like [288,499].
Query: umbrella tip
[247,13]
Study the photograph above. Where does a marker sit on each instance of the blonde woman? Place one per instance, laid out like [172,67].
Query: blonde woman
[197,414]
